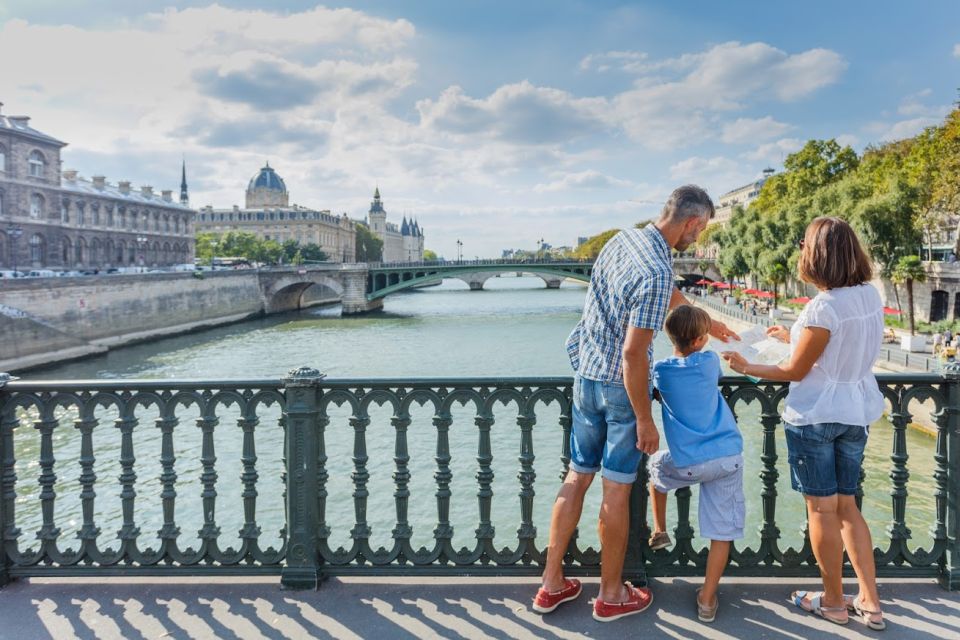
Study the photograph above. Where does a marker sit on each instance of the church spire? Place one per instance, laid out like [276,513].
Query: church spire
[184,196]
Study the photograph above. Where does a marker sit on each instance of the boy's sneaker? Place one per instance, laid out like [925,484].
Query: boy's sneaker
[637,600]
[705,613]
[546,601]
[659,540]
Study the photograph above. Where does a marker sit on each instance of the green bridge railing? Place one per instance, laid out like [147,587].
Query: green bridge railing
[60,441]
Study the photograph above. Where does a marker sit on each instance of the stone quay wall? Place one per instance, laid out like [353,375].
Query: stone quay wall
[47,320]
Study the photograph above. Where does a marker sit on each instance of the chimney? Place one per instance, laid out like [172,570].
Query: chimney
[1,107]
[146,191]
[20,121]
[124,186]
[99,182]
[236,208]
[167,195]
[70,174]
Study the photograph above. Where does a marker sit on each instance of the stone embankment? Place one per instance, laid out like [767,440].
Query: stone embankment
[48,320]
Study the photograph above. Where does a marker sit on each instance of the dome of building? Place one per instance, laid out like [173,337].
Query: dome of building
[267,189]
[267,178]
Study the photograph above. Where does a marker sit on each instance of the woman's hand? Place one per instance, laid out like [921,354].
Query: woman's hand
[779,332]
[736,361]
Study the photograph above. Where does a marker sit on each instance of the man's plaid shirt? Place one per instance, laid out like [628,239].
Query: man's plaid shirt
[631,285]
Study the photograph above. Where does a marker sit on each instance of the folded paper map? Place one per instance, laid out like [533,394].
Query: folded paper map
[755,346]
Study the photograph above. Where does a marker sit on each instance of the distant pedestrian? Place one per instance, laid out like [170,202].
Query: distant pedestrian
[611,348]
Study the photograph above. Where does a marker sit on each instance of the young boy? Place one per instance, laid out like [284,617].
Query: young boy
[705,447]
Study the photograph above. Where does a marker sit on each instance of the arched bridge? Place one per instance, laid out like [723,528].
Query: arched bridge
[362,287]
[384,279]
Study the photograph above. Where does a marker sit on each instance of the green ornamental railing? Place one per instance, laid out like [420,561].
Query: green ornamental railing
[305,552]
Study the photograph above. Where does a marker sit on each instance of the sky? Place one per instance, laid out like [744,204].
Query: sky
[495,123]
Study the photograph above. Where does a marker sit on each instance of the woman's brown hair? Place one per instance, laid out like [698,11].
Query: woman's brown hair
[832,256]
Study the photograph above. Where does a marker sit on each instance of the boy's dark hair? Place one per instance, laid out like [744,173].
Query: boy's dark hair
[685,324]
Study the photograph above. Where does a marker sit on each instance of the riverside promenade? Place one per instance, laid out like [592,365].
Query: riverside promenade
[350,608]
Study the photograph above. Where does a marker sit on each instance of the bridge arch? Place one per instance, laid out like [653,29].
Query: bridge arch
[383,282]
[290,294]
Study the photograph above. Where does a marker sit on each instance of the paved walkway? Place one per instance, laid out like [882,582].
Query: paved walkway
[385,609]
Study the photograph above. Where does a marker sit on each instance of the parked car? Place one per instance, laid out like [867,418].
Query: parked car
[42,273]
[12,274]
[68,274]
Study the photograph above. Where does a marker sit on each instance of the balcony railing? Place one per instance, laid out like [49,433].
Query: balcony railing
[341,466]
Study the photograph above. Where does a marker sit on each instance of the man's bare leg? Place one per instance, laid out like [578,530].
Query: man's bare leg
[614,527]
[563,522]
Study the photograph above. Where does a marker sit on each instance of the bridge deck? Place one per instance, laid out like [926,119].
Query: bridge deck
[429,608]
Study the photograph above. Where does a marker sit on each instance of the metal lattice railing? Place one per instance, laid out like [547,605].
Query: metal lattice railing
[276,464]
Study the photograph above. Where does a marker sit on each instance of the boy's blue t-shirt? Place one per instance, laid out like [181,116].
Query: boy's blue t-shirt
[697,422]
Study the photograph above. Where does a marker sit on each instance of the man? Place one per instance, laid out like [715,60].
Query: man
[630,292]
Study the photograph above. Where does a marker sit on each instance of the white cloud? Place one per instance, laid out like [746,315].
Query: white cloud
[919,114]
[682,106]
[773,153]
[744,130]
[956,51]
[520,113]
[589,179]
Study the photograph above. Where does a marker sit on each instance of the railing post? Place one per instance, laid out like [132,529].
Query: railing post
[950,568]
[301,412]
[7,478]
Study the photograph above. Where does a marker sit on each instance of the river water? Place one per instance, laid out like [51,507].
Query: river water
[514,328]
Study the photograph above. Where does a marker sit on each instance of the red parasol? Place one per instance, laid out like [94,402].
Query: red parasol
[764,294]
[890,311]
[751,292]
[800,300]
[703,281]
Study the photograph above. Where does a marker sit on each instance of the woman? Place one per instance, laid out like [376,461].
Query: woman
[833,399]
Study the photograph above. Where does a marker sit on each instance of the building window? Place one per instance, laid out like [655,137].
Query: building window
[81,216]
[96,215]
[37,164]
[36,248]
[65,251]
[36,205]
[123,219]
[65,213]
[109,217]
[156,222]
[3,159]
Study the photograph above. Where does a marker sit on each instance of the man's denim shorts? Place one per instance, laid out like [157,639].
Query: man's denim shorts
[826,458]
[722,509]
[604,432]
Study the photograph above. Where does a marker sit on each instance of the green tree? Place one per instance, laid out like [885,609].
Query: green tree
[910,269]
[429,256]
[590,249]
[369,248]
[313,253]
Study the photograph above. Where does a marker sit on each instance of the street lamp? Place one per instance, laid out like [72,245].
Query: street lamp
[213,253]
[540,249]
[141,243]
[459,251]
[14,231]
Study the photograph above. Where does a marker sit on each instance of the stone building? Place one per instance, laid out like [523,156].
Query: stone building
[741,196]
[400,244]
[269,215]
[50,220]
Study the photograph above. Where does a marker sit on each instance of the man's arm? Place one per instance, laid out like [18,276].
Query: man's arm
[636,379]
[718,330]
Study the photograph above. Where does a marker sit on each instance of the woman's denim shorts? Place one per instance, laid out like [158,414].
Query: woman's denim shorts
[825,459]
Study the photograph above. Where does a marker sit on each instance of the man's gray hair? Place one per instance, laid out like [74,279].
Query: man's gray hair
[688,201]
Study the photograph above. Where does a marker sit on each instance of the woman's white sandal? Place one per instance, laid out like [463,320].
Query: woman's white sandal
[854,605]
[817,609]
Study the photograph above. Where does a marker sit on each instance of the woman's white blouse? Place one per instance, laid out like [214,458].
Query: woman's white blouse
[841,386]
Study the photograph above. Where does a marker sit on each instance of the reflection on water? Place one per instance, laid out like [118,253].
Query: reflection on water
[516,327]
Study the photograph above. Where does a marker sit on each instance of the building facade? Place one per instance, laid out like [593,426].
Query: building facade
[741,196]
[59,221]
[400,244]
[269,215]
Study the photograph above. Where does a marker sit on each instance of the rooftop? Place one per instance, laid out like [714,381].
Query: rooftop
[21,124]
[83,186]
[255,608]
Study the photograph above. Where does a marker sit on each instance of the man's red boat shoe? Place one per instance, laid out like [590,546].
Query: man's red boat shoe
[547,601]
[638,600]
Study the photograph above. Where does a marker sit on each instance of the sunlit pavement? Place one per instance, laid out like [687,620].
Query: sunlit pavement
[436,607]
